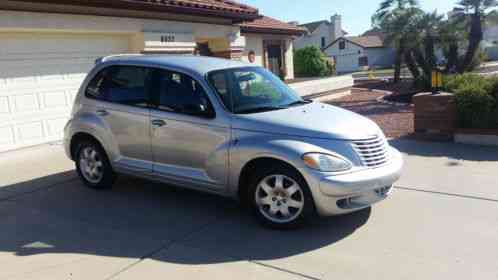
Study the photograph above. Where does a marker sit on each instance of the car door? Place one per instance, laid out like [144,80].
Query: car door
[189,142]
[123,106]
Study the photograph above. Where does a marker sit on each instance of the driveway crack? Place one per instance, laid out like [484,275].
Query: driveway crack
[447,194]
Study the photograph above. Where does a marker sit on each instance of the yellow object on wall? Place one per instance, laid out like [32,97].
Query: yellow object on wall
[219,44]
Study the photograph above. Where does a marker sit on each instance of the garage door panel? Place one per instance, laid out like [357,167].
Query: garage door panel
[26,103]
[55,127]
[55,99]
[40,75]
[6,136]
[4,106]
[30,132]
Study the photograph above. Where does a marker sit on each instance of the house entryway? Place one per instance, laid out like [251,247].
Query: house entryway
[274,56]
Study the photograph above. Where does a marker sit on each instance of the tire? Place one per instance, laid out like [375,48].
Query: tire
[93,166]
[284,208]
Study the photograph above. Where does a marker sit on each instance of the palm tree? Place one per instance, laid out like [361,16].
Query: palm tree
[395,18]
[426,39]
[477,12]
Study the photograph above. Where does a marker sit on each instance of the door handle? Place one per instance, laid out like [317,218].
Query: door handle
[102,113]
[158,123]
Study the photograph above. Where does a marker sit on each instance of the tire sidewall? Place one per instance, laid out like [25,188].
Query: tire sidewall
[108,176]
[308,211]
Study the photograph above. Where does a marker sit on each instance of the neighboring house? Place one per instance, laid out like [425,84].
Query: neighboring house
[48,46]
[320,33]
[360,53]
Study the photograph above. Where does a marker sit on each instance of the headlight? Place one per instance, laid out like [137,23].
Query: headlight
[326,162]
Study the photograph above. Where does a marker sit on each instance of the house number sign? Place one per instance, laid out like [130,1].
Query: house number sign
[168,39]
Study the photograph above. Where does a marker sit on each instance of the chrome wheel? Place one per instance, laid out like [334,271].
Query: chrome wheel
[91,165]
[279,198]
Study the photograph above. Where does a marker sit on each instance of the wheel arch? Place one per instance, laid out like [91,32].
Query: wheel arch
[252,166]
[78,138]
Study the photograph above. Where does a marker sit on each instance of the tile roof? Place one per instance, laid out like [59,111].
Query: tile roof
[222,5]
[362,41]
[312,26]
[222,8]
[367,41]
[270,25]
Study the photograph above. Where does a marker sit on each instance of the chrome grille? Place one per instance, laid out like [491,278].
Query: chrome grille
[373,152]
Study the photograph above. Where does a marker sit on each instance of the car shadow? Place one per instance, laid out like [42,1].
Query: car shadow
[450,150]
[141,219]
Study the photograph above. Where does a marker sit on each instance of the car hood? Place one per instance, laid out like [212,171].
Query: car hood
[311,120]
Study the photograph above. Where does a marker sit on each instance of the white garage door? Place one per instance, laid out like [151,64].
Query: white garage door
[39,77]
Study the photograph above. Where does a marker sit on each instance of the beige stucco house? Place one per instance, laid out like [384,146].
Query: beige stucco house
[48,46]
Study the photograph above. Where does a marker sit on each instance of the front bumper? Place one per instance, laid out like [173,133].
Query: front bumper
[342,194]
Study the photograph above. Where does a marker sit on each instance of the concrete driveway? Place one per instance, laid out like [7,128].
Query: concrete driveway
[441,223]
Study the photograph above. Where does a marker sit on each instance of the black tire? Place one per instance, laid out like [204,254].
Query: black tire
[109,176]
[308,211]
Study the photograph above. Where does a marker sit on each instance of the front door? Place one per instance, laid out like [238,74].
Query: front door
[123,106]
[275,59]
[188,142]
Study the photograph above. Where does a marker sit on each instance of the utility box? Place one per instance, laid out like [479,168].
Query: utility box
[435,116]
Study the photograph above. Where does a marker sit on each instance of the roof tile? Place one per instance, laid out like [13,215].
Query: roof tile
[271,25]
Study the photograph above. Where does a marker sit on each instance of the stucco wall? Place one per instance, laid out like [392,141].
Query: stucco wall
[315,38]
[346,59]
[254,43]
[380,57]
[45,22]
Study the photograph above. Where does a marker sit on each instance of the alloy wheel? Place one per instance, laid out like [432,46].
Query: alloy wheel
[279,198]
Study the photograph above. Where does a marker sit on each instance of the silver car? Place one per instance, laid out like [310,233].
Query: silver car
[231,129]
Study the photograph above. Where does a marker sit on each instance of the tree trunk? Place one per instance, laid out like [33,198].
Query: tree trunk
[430,55]
[397,64]
[475,38]
[422,61]
[412,65]
[452,58]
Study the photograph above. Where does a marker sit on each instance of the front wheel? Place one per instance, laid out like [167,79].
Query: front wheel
[281,198]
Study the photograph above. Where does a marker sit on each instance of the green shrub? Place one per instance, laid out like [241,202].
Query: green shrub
[311,62]
[452,83]
[476,99]
[475,107]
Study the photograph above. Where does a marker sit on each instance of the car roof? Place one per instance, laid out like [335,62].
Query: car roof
[196,64]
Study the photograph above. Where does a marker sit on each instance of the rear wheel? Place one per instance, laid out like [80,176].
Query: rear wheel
[281,198]
[93,166]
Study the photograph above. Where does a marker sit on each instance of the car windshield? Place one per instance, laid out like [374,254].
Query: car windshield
[252,90]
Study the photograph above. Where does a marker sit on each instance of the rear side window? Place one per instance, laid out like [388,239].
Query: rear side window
[178,93]
[122,85]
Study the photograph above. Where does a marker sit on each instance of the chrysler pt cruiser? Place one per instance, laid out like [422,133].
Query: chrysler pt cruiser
[228,128]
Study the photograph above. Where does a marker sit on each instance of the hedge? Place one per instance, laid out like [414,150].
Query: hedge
[476,98]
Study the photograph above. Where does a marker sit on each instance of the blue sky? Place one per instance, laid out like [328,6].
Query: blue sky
[356,14]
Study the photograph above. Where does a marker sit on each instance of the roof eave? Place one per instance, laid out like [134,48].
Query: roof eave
[263,30]
[236,17]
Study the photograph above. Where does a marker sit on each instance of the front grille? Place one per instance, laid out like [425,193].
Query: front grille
[373,152]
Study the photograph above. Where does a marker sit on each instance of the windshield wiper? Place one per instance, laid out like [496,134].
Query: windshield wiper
[260,109]
[299,102]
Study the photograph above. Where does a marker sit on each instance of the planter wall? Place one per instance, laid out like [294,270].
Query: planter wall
[435,116]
